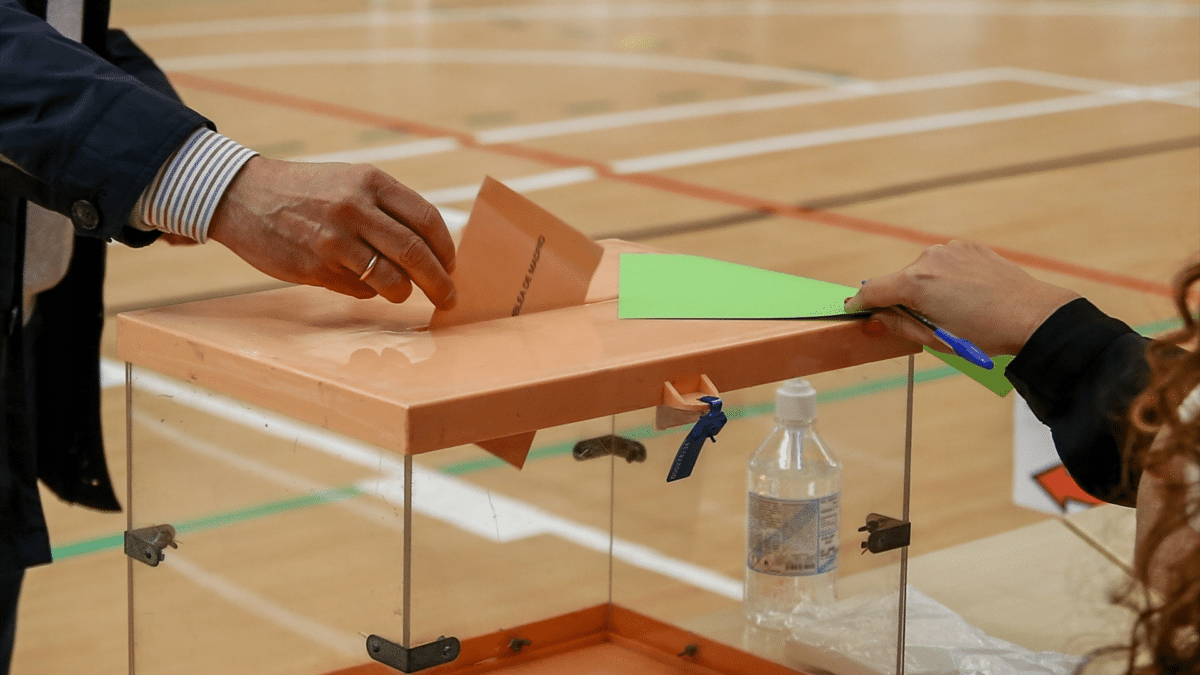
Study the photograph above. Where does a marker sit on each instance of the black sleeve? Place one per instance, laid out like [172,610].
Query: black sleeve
[1079,372]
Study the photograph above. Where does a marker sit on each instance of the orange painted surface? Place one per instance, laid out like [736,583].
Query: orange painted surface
[374,371]
[600,640]
[602,659]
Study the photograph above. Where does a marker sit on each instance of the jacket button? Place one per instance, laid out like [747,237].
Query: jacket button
[84,215]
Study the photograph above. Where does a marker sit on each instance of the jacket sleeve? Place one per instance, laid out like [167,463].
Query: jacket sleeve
[1080,371]
[126,55]
[79,135]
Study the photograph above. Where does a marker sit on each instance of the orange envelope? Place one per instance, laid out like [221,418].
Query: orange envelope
[515,258]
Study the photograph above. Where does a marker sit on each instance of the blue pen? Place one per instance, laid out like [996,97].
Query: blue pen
[962,347]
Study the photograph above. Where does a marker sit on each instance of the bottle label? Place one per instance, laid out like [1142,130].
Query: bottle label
[792,537]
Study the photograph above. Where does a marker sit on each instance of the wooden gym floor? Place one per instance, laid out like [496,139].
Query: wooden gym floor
[1064,133]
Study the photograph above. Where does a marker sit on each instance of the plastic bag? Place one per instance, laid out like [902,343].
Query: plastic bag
[857,636]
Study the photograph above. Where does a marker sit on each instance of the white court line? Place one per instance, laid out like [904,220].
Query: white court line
[1147,93]
[763,102]
[293,482]
[381,153]
[1176,93]
[1108,93]
[501,518]
[861,132]
[508,57]
[451,500]
[541,181]
[648,10]
[840,88]
[790,142]
[338,641]
[1192,100]
[455,219]
[466,193]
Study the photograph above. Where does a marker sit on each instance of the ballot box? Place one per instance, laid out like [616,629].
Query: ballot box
[322,485]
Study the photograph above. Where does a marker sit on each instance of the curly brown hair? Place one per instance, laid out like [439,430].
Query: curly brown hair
[1165,591]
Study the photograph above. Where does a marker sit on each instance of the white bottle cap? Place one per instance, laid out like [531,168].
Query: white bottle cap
[796,402]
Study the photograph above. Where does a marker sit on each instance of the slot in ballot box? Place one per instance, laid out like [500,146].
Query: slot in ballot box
[306,495]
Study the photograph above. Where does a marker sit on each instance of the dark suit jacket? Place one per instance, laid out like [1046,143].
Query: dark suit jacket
[83,130]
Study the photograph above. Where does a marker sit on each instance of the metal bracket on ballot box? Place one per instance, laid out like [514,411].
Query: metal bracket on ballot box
[627,448]
[406,660]
[147,544]
[886,533]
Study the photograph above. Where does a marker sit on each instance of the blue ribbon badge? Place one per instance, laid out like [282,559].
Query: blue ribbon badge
[709,424]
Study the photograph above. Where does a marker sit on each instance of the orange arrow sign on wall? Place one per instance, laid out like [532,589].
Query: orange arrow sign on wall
[1062,488]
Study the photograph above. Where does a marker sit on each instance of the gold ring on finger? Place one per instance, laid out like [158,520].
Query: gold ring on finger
[370,267]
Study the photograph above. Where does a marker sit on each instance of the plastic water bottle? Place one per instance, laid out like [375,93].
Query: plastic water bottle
[792,515]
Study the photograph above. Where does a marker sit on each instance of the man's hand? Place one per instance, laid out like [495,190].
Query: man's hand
[324,224]
[970,291]
[177,239]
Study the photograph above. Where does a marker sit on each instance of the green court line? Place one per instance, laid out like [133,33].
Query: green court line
[88,546]
[1152,329]
[331,495]
[117,541]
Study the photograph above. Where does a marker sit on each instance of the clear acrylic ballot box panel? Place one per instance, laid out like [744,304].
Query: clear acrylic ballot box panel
[680,548]
[290,538]
[285,463]
[549,542]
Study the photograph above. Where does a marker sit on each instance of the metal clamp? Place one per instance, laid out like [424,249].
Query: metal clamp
[886,533]
[436,653]
[147,544]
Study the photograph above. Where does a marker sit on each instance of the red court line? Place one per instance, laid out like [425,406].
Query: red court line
[657,182]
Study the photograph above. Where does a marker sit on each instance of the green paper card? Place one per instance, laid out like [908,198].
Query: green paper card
[992,379]
[670,286]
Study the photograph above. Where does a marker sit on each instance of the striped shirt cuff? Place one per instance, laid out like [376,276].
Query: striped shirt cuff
[183,196]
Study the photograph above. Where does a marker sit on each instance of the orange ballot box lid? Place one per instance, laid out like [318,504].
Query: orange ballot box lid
[378,372]
[375,371]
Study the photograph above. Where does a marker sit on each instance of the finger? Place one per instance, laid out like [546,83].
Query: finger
[344,278]
[883,291]
[390,281]
[409,253]
[898,324]
[414,212]
[346,283]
